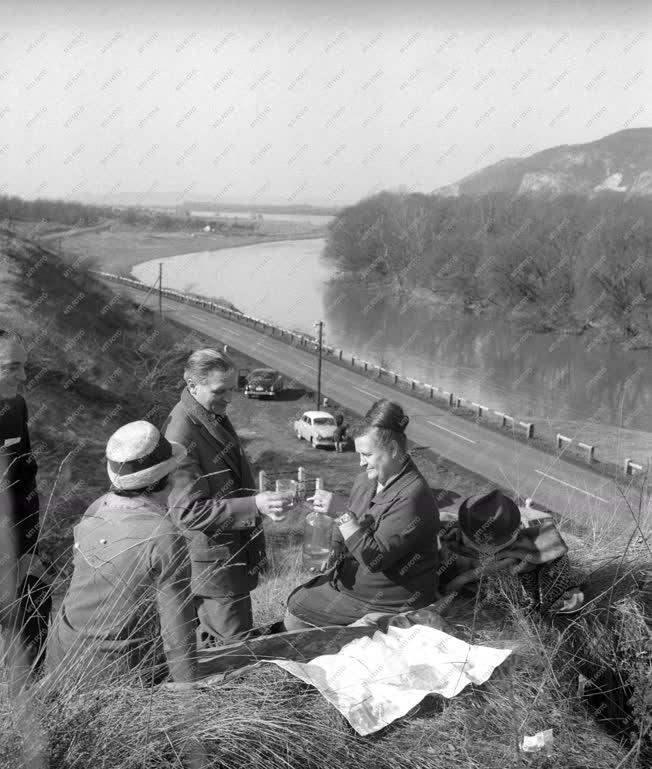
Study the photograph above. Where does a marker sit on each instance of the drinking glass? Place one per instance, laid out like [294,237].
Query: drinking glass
[288,489]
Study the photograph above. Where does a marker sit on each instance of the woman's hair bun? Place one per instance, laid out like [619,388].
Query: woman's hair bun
[387,416]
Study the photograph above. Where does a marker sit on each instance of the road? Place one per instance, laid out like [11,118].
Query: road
[573,492]
[75,231]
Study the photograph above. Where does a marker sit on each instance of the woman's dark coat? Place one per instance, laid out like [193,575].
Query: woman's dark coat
[389,564]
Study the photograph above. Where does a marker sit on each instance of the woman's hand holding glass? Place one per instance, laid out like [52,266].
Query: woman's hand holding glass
[322,502]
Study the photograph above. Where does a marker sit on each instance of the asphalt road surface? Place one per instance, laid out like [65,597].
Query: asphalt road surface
[571,491]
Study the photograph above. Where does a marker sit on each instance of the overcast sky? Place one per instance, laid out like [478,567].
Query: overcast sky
[304,102]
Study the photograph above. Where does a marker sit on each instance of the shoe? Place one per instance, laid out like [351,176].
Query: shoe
[206,640]
[570,602]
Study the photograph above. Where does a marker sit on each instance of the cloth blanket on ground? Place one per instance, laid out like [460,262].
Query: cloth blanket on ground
[306,644]
[373,671]
[538,556]
[373,681]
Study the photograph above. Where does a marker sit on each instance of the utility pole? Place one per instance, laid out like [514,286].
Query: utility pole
[319,323]
[160,289]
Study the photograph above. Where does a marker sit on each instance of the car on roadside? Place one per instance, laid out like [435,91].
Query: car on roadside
[263,383]
[316,427]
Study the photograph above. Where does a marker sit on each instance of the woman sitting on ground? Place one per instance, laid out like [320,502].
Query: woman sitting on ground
[384,549]
[490,535]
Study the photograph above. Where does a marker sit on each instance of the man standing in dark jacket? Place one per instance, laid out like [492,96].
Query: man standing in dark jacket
[19,497]
[218,508]
[20,477]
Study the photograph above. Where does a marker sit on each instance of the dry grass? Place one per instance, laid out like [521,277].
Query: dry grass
[264,717]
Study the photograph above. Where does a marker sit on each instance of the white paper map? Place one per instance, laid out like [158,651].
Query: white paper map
[374,681]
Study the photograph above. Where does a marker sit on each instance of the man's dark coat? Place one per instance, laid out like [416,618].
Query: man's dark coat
[18,474]
[215,505]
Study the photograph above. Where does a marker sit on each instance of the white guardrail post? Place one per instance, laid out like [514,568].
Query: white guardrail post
[563,439]
[529,429]
[589,449]
[631,467]
[504,418]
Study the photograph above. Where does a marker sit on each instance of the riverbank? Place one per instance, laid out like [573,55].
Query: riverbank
[123,246]
[81,387]
[451,303]
[568,265]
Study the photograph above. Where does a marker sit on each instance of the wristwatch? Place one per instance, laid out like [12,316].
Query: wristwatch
[344,518]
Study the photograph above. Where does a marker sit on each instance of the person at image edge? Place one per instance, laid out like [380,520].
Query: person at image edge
[18,470]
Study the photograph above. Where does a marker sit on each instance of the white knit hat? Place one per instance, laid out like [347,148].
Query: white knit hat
[138,456]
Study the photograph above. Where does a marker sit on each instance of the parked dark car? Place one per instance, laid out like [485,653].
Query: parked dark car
[263,382]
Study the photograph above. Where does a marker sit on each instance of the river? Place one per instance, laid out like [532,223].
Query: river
[598,394]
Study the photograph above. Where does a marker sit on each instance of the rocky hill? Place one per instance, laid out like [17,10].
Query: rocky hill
[620,163]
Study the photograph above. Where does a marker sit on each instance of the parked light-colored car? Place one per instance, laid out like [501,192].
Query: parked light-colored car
[317,427]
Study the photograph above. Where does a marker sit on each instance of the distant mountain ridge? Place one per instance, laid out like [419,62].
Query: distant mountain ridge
[620,163]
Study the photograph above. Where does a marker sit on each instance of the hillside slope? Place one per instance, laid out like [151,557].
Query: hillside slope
[94,363]
[620,163]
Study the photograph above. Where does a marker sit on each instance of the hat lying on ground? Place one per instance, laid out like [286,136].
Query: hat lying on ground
[489,521]
[138,456]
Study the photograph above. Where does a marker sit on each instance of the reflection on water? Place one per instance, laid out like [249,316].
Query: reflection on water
[563,380]
[280,281]
[562,384]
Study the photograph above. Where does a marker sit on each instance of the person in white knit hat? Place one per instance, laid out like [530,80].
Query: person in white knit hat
[130,564]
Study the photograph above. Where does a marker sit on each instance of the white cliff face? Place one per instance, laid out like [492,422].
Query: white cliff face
[642,185]
[620,163]
[612,183]
[553,183]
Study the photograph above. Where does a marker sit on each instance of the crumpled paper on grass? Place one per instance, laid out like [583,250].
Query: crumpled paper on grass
[373,681]
[536,742]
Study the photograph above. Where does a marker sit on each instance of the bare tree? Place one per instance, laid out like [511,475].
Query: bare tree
[618,272]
